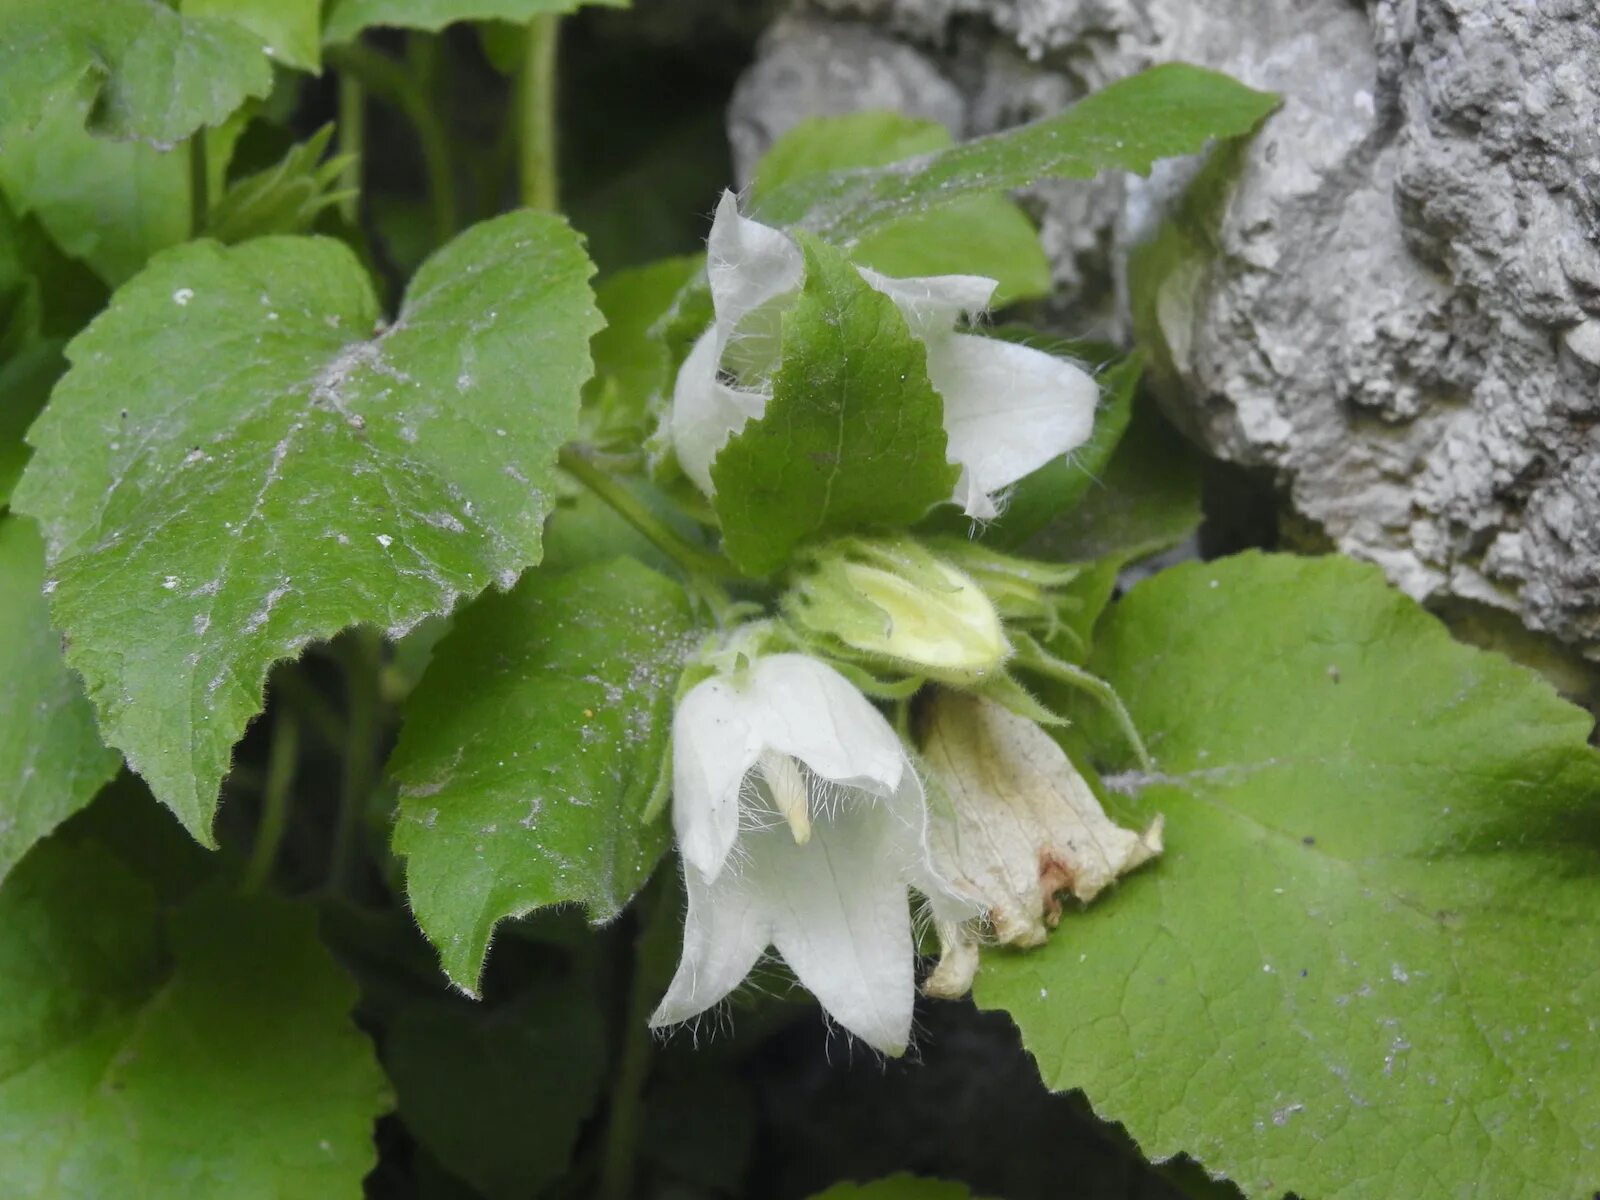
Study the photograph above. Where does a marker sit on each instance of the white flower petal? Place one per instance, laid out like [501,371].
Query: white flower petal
[840,918]
[748,264]
[932,304]
[725,930]
[810,711]
[1008,410]
[706,412]
[716,739]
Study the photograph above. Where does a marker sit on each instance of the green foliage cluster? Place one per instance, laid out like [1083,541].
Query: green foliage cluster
[334,519]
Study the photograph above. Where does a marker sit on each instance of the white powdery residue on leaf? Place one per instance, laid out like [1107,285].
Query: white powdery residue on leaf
[259,618]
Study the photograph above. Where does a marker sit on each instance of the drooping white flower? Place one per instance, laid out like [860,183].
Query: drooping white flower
[801,824]
[1008,409]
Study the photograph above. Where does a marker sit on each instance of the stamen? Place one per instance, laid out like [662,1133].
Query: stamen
[789,792]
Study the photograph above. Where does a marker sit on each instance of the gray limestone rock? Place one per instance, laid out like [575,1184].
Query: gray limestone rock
[1391,298]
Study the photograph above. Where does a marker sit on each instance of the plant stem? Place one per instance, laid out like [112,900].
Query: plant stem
[199,183]
[700,564]
[399,87]
[361,751]
[281,761]
[657,928]
[1033,657]
[352,129]
[536,115]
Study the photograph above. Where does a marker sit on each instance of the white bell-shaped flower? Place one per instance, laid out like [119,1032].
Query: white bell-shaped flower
[801,824]
[1008,409]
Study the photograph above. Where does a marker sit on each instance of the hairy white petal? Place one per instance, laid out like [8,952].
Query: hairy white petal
[706,412]
[811,712]
[725,930]
[1008,410]
[748,264]
[840,918]
[932,304]
[716,739]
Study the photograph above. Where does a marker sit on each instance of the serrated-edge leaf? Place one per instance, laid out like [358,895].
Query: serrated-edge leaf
[225,475]
[530,748]
[851,408]
[349,17]
[1165,111]
[1361,968]
[148,1054]
[52,761]
[156,75]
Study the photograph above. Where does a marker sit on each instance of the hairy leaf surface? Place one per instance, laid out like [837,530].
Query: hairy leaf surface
[204,1053]
[1169,110]
[51,759]
[853,434]
[530,749]
[1364,967]
[153,73]
[348,18]
[242,460]
[978,235]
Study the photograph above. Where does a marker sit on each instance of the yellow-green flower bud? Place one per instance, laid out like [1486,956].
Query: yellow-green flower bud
[894,602]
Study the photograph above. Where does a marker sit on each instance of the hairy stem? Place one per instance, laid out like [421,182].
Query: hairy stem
[352,130]
[657,928]
[536,116]
[281,761]
[199,184]
[361,752]
[703,567]
[405,89]
[1033,657]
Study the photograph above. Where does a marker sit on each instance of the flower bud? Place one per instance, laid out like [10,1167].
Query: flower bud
[895,602]
[1012,825]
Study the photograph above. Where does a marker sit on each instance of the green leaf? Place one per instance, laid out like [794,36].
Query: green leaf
[530,748]
[633,366]
[289,30]
[896,1187]
[347,18]
[1360,969]
[152,73]
[25,382]
[498,1095]
[51,759]
[110,203]
[286,197]
[1169,110]
[980,235]
[1146,500]
[184,1057]
[234,468]
[853,434]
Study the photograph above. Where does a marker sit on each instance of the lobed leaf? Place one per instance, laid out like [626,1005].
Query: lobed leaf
[153,73]
[1360,970]
[207,1052]
[530,749]
[977,235]
[51,759]
[853,434]
[237,464]
[498,1095]
[1168,110]
[347,18]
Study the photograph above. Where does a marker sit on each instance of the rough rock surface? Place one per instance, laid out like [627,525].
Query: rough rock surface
[1398,304]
